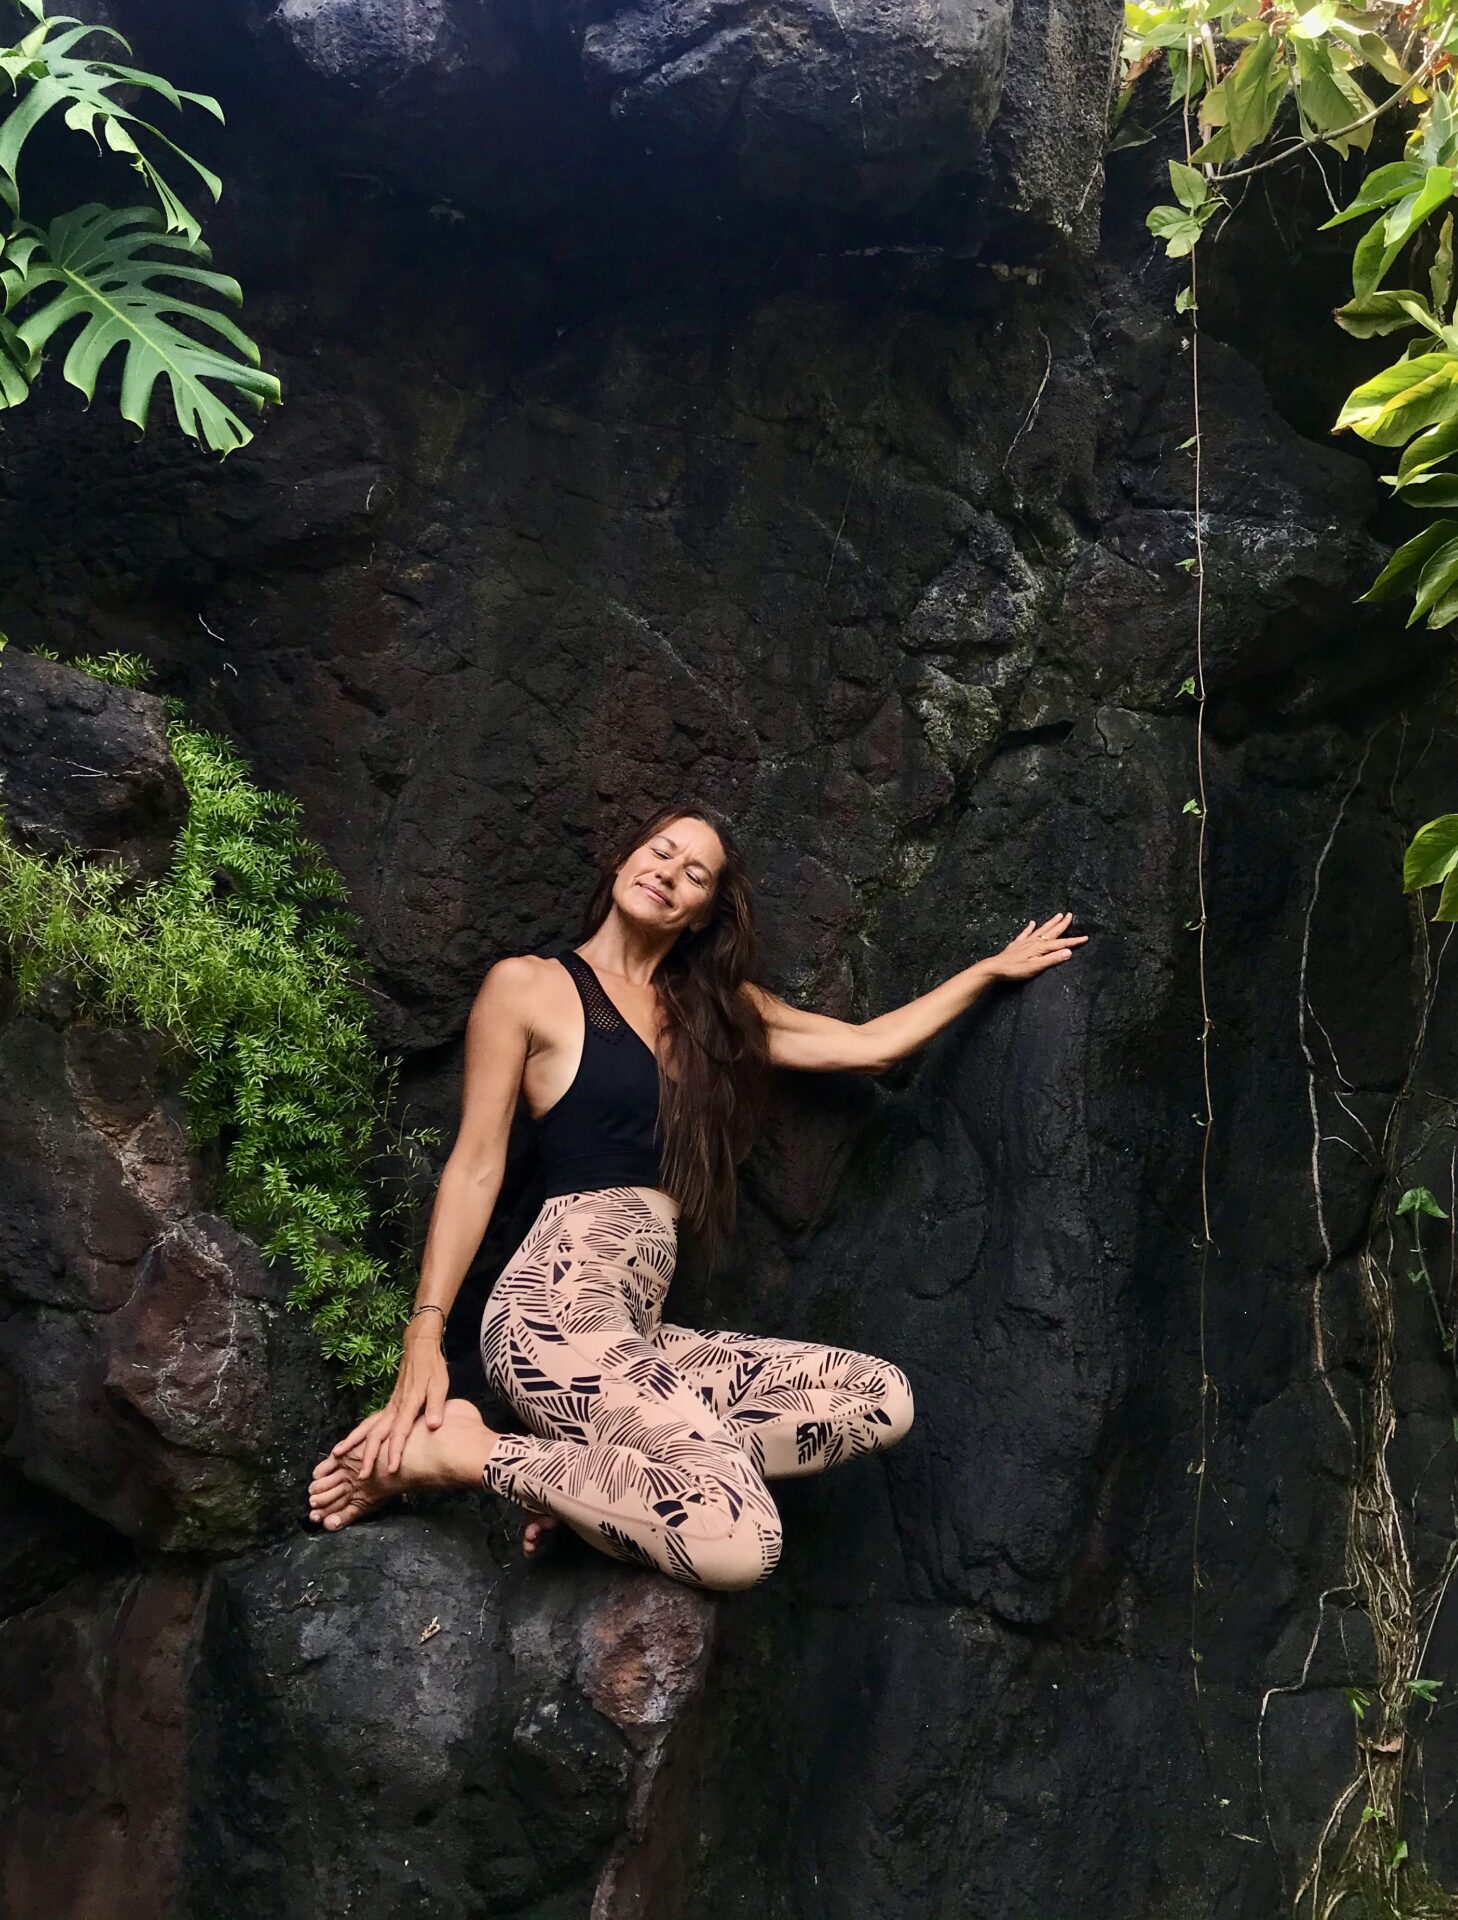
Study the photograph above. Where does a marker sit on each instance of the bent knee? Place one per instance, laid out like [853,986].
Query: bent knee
[897,1405]
[740,1558]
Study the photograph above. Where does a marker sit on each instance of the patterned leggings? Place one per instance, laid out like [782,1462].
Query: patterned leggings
[654,1442]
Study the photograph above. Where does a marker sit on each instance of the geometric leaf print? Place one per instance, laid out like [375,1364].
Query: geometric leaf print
[654,1441]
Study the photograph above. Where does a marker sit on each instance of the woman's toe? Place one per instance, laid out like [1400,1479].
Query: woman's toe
[535,1536]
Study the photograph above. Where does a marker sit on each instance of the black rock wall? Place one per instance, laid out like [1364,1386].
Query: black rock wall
[653,425]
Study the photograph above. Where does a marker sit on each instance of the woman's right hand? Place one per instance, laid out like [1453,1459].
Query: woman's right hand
[421,1385]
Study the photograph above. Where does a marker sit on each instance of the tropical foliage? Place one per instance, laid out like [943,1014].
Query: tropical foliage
[1338,69]
[243,955]
[140,278]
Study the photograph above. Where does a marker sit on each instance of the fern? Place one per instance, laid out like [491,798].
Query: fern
[244,955]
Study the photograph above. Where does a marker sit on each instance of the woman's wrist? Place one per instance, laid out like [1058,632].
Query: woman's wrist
[424,1325]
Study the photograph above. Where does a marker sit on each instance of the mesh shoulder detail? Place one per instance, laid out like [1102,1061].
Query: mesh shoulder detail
[602,1016]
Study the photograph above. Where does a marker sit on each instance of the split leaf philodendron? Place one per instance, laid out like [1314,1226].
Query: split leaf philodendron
[134,277]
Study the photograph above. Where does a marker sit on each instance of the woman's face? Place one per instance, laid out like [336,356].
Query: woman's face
[668,883]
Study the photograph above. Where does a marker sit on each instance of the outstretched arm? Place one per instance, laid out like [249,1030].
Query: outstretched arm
[815,1043]
[498,1034]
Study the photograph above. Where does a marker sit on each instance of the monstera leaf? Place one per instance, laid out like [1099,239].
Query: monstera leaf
[46,71]
[17,360]
[98,265]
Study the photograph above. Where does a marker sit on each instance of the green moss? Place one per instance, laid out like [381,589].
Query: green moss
[243,955]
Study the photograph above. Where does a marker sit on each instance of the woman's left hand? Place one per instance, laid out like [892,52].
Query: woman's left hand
[1035,949]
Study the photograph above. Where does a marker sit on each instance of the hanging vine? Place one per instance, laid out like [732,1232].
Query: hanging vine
[1257,87]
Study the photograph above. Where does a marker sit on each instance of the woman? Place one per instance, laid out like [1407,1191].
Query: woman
[642,1057]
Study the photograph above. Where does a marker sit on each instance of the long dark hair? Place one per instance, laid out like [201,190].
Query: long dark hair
[713,1066]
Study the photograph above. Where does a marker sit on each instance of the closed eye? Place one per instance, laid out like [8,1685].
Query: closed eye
[697,874]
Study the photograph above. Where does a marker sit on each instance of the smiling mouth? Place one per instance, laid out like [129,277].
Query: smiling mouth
[661,898]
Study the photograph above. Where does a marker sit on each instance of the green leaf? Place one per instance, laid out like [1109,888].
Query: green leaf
[1386,312]
[1130,133]
[1371,259]
[1409,559]
[1183,80]
[1185,301]
[1418,1201]
[1328,100]
[1216,151]
[1424,1689]
[1239,111]
[1432,854]
[1255,88]
[90,266]
[1189,185]
[1190,806]
[1428,489]
[1314,22]
[1438,141]
[1440,274]
[1410,212]
[1436,444]
[1436,584]
[1381,187]
[1403,399]
[81,84]
[18,365]
[1178,229]
[1380,57]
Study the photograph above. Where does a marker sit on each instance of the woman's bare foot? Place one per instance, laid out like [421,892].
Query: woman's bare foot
[537,1533]
[451,1455]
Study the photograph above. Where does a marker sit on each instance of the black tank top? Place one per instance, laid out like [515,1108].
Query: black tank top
[603,1132]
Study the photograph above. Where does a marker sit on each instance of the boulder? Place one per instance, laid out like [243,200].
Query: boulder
[877,115]
[86,766]
[149,1370]
[478,1740]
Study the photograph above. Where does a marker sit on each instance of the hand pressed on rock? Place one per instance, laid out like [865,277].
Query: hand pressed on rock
[1036,948]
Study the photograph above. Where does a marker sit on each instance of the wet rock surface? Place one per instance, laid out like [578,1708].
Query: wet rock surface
[880,546]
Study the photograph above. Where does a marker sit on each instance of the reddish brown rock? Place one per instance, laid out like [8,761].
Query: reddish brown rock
[645,1649]
[141,1344]
[93,1748]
